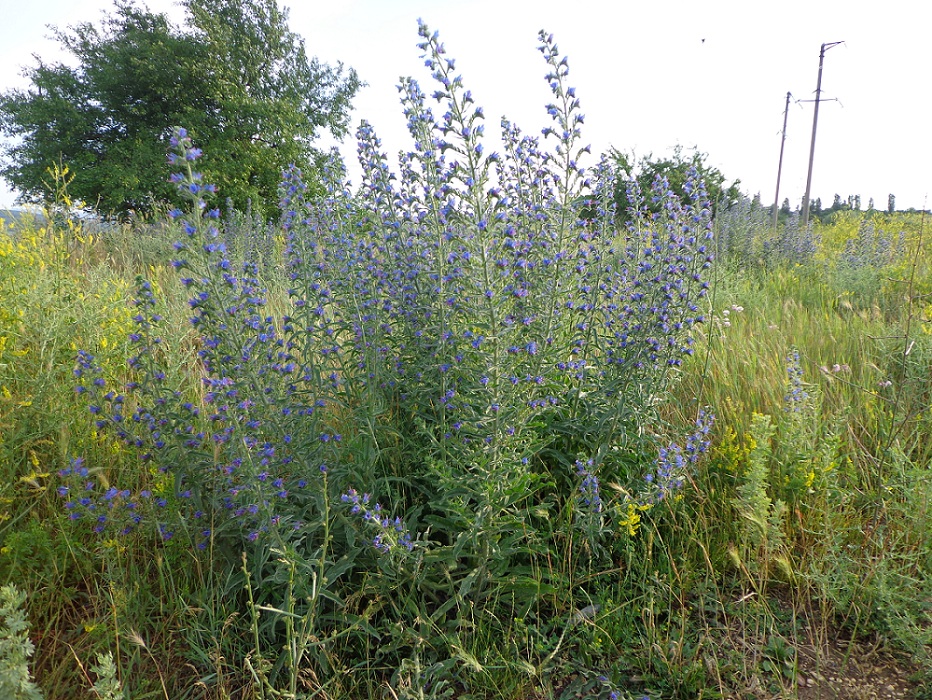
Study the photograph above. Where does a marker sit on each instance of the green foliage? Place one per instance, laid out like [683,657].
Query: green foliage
[761,538]
[234,73]
[676,169]
[107,685]
[15,648]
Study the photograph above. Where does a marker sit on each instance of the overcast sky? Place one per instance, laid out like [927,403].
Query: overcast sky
[650,75]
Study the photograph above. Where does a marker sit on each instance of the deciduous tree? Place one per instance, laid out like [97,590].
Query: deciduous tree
[675,169]
[233,73]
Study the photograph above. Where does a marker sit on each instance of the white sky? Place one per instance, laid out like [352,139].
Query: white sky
[646,79]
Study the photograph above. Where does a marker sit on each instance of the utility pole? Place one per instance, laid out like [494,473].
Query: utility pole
[776,197]
[815,122]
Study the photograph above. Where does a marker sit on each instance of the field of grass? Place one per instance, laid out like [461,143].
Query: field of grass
[433,439]
[813,502]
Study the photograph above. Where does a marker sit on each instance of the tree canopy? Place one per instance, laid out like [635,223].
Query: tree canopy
[233,74]
[676,169]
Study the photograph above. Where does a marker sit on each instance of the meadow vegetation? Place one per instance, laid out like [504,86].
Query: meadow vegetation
[459,433]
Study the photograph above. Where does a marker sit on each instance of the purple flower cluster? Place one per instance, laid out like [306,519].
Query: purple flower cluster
[873,247]
[588,486]
[235,448]
[675,463]
[391,534]
[792,244]
[612,691]
[106,507]
[796,398]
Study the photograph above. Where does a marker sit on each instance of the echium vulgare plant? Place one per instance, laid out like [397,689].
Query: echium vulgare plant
[473,344]
[498,328]
[252,437]
[247,460]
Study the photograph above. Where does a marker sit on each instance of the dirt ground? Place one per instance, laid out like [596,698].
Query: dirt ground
[832,673]
[837,668]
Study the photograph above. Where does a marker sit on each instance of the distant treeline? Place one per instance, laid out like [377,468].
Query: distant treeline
[852,203]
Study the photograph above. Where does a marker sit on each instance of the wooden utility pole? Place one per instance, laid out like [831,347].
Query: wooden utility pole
[776,197]
[815,121]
